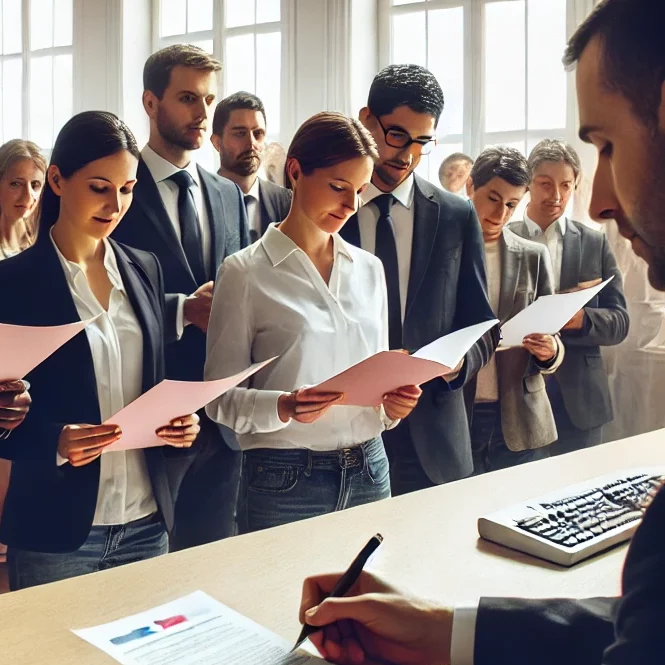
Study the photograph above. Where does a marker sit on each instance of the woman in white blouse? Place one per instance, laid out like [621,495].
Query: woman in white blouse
[303,294]
[70,509]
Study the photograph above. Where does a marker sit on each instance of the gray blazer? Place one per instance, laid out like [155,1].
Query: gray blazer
[526,414]
[582,376]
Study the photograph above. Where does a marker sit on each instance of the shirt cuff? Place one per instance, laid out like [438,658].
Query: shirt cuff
[385,421]
[60,460]
[180,321]
[464,635]
[265,416]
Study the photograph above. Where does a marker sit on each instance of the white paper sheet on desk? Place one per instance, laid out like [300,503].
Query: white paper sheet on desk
[166,401]
[547,315]
[365,383]
[22,348]
[194,630]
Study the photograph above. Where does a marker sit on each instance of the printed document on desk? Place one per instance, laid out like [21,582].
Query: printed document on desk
[365,383]
[547,315]
[166,401]
[22,348]
[194,630]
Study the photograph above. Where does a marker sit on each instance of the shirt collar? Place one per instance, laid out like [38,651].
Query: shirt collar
[535,230]
[73,270]
[254,191]
[402,193]
[161,169]
[279,246]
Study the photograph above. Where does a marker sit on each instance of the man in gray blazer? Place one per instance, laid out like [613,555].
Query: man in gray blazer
[581,257]
[512,420]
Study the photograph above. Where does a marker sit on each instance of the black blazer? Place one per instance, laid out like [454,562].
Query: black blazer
[275,202]
[147,226]
[447,291]
[582,376]
[50,508]
[607,631]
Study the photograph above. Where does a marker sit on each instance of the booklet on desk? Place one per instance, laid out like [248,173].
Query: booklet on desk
[166,401]
[22,348]
[365,383]
[194,630]
[547,315]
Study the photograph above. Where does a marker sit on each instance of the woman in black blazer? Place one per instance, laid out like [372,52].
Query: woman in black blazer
[71,510]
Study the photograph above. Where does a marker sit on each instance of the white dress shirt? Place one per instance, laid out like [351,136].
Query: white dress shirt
[402,216]
[116,344]
[270,300]
[253,208]
[552,238]
[488,377]
[161,170]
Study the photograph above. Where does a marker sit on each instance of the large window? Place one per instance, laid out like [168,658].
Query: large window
[498,62]
[244,34]
[36,63]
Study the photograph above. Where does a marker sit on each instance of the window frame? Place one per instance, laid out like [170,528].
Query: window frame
[474,137]
[219,35]
[25,56]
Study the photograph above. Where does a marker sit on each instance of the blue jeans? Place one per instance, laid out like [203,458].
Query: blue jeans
[490,452]
[282,486]
[106,547]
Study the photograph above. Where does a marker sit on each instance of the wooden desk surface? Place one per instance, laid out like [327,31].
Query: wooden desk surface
[431,546]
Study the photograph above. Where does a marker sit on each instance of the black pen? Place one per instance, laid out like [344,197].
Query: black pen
[345,582]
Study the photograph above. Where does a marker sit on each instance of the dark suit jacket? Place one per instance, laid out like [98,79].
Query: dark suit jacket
[607,631]
[275,202]
[50,508]
[582,376]
[447,291]
[147,226]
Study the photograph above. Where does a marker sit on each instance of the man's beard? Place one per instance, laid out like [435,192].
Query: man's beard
[242,167]
[174,135]
[650,212]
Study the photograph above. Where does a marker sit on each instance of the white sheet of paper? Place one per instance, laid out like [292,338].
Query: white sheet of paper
[194,630]
[166,401]
[547,315]
[22,348]
[450,349]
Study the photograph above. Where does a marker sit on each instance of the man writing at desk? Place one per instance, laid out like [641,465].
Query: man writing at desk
[620,56]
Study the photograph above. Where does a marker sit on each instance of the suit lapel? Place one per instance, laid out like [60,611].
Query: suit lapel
[511,263]
[57,307]
[425,225]
[215,207]
[149,199]
[268,211]
[571,258]
[140,295]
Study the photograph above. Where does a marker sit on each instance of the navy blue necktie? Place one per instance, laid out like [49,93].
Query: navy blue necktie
[190,231]
[386,250]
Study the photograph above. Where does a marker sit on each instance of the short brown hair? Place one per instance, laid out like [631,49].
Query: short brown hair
[327,139]
[633,51]
[158,67]
[555,150]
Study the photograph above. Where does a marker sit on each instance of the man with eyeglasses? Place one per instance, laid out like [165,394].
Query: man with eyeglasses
[431,246]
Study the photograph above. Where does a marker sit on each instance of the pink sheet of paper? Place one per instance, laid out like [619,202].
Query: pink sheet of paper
[166,401]
[365,383]
[22,348]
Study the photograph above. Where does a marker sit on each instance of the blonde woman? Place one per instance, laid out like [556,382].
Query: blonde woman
[22,169]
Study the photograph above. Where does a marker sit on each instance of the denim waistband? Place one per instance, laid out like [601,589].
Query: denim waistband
[344,458]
